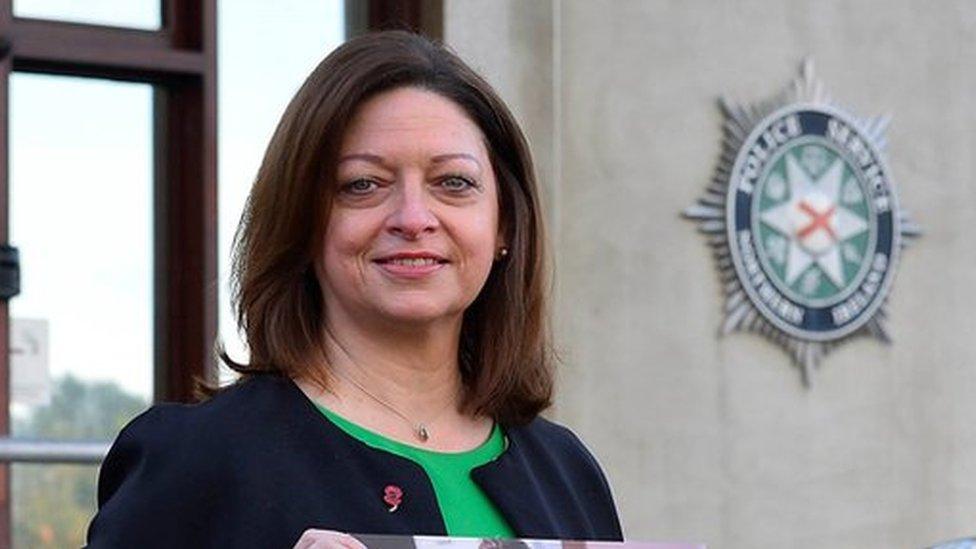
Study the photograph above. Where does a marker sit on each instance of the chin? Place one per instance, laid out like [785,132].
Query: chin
[419,312]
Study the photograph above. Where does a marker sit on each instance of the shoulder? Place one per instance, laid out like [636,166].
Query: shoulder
[557,442]
[197,434]
[176,460]
[258,399]
[235,412]
[544,429]
[544,441]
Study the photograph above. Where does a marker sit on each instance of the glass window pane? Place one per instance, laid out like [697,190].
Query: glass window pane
[256,79]
[81,329]
[81,216]
[53,504]
[136,14]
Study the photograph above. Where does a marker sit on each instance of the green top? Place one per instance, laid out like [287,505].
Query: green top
[466,510]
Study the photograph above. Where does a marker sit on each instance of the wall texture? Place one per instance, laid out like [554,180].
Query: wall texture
[716,439]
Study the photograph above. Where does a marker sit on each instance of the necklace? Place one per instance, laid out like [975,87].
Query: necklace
[419,429]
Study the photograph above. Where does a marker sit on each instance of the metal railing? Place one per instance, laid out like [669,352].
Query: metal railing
[51,451]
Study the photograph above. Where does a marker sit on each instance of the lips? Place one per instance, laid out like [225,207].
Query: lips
[412,256]
[411,261]
[411,265]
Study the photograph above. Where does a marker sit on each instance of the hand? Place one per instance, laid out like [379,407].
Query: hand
[327,539]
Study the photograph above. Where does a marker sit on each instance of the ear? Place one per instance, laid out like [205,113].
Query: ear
[502,237]
[501,243]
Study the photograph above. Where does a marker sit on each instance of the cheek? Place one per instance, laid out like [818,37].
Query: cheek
[347,235]
[346,242]
[481,242]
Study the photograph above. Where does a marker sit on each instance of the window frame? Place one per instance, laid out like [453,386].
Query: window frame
[179,60]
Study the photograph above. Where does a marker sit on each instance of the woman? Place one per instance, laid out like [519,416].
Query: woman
[390,282]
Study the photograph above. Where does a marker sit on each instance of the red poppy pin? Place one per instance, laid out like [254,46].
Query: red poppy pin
[392,496]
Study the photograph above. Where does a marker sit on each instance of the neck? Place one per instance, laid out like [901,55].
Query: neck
[414,371]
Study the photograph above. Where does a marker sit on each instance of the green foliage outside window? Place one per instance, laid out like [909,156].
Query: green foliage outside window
[52,504]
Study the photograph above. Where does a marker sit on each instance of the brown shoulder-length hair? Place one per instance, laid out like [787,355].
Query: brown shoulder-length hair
[504,353]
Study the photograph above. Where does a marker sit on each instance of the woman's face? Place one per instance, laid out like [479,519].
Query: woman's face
[414,228]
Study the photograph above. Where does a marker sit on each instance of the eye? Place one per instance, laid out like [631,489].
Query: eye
[359,187]
[457,184]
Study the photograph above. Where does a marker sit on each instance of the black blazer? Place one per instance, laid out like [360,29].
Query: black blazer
[258,464]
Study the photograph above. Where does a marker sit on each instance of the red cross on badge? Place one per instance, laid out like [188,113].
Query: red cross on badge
[818,220]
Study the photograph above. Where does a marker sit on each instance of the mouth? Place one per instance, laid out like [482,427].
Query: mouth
[411,265]
[412,259]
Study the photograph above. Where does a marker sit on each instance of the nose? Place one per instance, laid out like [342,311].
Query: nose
[412,216]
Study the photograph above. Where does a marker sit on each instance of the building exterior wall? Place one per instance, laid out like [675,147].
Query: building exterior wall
[716,439]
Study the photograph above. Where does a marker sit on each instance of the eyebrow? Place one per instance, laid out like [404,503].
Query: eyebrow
[452,156]
[375,159]
[441,158]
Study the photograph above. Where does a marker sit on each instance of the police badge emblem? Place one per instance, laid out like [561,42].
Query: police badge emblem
[804,222]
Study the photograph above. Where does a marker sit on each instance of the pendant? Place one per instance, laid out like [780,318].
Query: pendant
[422,433]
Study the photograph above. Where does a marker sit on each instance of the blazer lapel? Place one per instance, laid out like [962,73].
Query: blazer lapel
[510,484]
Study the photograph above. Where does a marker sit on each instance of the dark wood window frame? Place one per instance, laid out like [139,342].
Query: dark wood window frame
[179,60]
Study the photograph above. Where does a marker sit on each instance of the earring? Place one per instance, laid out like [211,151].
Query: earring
[502,252]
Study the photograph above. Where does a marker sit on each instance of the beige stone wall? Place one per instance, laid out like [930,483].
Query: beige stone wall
[716,439]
